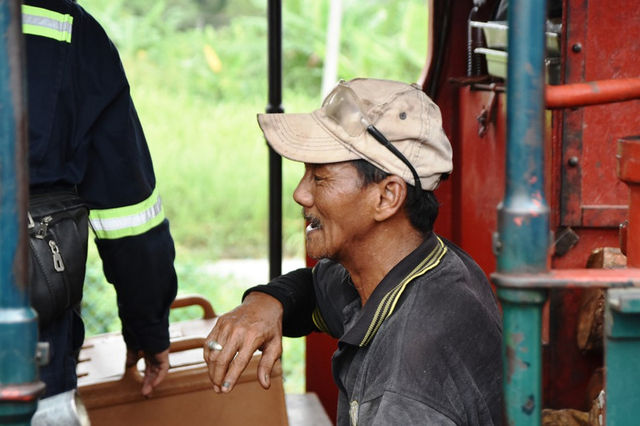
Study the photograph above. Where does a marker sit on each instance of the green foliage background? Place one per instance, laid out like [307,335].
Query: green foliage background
[198,75]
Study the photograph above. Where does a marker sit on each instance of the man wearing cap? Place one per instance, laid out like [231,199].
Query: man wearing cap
[418,325]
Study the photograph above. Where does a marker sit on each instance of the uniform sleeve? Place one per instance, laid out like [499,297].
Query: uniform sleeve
[294,291]
[141,269]
[126,214]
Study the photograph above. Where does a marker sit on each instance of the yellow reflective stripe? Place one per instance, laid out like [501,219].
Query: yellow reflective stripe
[127,221]
[46,23]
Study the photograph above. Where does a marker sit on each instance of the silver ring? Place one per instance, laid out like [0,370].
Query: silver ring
[214,346]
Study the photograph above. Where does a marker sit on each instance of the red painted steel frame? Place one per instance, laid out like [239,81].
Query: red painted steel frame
[592,93]
[583,190]
[586,193]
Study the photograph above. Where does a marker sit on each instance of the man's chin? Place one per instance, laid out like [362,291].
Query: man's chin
[315,253]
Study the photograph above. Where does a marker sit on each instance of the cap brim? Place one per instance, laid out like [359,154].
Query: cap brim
[301,137]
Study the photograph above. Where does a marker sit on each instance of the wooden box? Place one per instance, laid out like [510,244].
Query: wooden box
[112,396]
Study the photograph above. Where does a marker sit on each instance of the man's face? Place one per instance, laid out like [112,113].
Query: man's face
[338,209]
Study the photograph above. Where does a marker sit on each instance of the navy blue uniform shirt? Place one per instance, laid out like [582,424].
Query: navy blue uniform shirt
[84,132]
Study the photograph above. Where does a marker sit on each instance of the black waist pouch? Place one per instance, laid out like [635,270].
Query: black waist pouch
[58,232]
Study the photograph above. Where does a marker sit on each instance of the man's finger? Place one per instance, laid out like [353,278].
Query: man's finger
[219,362]
[270,355]
[237,366]
[219,336]
[207,352]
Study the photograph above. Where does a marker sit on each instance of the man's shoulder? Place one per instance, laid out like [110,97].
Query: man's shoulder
[461,277]
[469,263]
[452,296]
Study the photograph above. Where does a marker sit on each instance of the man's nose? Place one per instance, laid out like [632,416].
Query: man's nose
[302,195]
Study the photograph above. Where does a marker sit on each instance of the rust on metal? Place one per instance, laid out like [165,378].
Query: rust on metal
[529,406]
[514,362]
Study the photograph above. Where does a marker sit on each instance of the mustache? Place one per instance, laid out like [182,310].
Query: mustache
[314,221]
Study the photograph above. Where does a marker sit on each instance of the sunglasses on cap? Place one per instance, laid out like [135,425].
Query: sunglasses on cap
[344,107]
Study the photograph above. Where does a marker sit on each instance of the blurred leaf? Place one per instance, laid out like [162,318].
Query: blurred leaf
[212,58]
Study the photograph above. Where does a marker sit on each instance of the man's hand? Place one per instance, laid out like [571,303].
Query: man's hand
[156,368]
[256,324]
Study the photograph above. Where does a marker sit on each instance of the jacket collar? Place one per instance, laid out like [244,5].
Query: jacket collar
[383,300]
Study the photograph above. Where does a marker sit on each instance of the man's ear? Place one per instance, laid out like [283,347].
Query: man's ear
[392,192]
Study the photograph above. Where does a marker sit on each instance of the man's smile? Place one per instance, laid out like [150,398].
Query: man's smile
[314,224]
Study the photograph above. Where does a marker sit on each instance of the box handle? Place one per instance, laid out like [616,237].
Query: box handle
[195,299]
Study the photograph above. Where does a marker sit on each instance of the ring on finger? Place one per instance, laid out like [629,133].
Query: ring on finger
[214,346]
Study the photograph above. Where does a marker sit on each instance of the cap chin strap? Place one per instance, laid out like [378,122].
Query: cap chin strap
[385,142]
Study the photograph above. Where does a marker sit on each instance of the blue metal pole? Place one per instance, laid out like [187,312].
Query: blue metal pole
[19,385]
[523,216]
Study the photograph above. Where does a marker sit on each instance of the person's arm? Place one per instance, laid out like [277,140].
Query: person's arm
[295,292]
[141,269]
[126,214]
[287,302]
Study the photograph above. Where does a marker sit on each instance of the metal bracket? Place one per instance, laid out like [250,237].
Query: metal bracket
[567,238]
[487,114]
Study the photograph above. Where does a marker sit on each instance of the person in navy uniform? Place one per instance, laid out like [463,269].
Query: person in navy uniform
[84,134]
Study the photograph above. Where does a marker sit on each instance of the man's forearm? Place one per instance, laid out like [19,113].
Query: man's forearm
[294,290]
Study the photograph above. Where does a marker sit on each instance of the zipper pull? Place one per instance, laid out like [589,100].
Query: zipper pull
[57,259]
[43,226]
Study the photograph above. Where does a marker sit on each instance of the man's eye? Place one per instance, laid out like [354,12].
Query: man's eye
[317,178]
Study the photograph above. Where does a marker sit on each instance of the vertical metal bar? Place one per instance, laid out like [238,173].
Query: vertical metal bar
[523,216]
[522,355]
[274,12]
[19,388]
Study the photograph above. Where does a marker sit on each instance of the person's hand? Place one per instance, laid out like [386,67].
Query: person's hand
[156,368]
[256,324]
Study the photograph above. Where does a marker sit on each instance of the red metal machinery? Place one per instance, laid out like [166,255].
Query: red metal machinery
[588,202]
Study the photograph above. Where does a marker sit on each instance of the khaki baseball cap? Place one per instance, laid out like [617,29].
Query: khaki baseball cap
[337,131]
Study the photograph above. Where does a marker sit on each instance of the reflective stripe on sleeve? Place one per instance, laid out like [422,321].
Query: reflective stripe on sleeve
[46,23]
[127,221]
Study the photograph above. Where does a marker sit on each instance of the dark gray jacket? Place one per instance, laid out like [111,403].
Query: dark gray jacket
[425,349]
